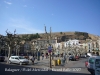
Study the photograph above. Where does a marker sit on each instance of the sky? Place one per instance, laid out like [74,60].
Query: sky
[30,16]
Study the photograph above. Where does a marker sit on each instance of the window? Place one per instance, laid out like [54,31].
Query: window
[91,60]
[16,57]
[12,57]
[21,58]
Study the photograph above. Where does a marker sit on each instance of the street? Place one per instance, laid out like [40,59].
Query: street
[39,68]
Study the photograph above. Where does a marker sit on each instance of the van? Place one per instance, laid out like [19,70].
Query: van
[90,64]
[97,66]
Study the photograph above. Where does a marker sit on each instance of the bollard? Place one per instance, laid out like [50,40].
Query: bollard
[54,62]
[58,62]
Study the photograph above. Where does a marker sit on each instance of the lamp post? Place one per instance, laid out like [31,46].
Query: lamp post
[49,43]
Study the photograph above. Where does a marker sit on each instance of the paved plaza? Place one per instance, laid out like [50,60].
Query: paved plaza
[46,62]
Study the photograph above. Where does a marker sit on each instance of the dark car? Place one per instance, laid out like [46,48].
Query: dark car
[71,58]
[2,58]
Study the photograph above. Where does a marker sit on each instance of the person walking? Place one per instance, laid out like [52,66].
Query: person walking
[42,56]
[64,58]
[62,61]
[33,59]
[46,55]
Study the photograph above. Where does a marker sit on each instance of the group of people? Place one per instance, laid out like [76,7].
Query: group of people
[35,57]
[46,55]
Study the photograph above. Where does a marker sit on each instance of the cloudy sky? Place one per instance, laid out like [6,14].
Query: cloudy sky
[30,16]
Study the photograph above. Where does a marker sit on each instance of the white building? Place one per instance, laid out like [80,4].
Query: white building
[71,43]
[90,46]
[58,45]
[99,43]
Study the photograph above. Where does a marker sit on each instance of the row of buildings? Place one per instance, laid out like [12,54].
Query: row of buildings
[57,47]
[42,45]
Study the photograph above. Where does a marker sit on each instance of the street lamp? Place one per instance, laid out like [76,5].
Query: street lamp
[49,43]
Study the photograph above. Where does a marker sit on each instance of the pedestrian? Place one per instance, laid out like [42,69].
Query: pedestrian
[58,55]
[46,55]
[42,56]
[62,61]
[33,59]
[53,55]
[64,58]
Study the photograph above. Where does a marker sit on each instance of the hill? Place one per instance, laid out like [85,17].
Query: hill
[64,36]
[74,35]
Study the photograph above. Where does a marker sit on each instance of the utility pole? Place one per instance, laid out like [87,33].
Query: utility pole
[50,45]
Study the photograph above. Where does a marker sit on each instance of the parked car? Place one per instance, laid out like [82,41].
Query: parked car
[71,58]
[2,58]
[89,54]
[83,56]
[76,57]
[97,66]
[18,60]
[90,64]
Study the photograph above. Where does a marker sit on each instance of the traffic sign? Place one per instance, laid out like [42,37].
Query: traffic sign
[49,49]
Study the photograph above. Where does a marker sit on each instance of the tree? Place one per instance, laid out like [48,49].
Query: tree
[37,35]
[60,32]
[26,37]
[31,37]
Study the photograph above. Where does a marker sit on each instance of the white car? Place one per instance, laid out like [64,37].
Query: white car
[89,54]
[18,60]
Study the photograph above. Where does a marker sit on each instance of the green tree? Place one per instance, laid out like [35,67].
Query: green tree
[31,37]
[37,35]
[25,37]
[60,32]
